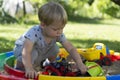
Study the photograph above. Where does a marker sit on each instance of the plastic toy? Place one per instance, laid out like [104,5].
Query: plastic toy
[98,53]
[56,69]
[13,74]
[62,68]
[94,69]
[95,52]
[3,56]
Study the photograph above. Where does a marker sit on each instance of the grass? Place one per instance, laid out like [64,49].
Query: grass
[8,35]
[82,34]
[85,35]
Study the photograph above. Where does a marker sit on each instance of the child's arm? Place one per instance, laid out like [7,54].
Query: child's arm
[76,57]
[26,59]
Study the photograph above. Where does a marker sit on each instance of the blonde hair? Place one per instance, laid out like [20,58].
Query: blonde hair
[52,12]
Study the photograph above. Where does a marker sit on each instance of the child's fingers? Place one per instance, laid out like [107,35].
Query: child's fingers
[31,74]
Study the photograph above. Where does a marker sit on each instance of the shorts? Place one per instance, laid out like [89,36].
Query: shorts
[37,57]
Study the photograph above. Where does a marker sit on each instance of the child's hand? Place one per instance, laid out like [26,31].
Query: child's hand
[31,73]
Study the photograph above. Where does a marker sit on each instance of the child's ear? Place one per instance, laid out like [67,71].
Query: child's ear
[42,25]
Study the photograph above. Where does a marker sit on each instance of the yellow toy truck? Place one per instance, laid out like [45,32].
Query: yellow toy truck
[94,53]
[99,52]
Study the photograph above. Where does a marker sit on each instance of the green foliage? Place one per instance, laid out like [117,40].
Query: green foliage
[70,9]
[90,2]
[37,3]
[112,10]
[74,8]
[6,18]
[1,2]
[91,8]
[108,7]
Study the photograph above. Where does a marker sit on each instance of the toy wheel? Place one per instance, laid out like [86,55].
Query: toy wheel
[106,61]
[53,73]
[78,73]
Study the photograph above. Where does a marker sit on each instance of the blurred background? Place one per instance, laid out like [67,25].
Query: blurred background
[93,21]
[12,11]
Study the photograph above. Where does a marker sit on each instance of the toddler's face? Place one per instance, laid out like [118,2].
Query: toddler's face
[54,30]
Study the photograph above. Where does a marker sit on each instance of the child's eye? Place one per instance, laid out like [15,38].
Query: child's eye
[55,29]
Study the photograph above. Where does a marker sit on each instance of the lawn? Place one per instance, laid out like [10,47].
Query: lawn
[82,34]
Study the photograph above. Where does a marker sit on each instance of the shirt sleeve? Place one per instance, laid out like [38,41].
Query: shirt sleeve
[31,35]
[62,38]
